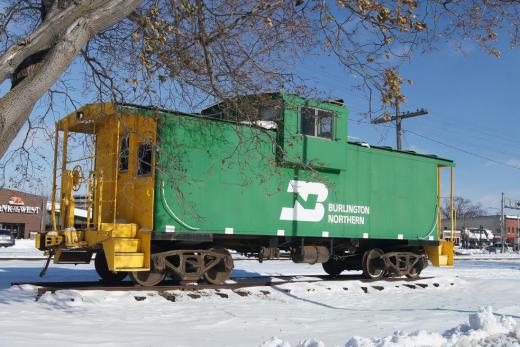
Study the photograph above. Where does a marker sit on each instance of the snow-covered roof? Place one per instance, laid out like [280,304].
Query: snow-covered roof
[477,235]
[78,212]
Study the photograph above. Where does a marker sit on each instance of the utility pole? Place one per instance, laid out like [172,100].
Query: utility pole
[502,224]
[480,230]
[514,205]
[517,234]
[398,129]
[397,118]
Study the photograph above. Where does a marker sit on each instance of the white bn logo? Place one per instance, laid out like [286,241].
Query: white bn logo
[298,212]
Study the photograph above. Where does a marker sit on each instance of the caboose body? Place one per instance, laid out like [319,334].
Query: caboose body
[270,175]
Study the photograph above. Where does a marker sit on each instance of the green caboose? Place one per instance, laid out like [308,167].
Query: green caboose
[268,176]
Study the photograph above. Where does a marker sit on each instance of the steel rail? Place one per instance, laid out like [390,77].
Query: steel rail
[45,258]
[233,284]
[486,258]
[23,258]
[282,259]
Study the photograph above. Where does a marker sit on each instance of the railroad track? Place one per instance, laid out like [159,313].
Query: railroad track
[485,258]
[24,258]
[233,284]
[459,257]
[45,258]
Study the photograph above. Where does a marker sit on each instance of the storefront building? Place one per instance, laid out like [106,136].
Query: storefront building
[21,213]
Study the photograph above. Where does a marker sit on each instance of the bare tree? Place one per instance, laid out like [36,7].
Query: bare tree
[186,53]
[463,208]
[37,62]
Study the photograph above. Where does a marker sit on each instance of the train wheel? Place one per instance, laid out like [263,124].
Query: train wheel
[148,278]
[100,263]
[373,266]
[333,267]
[219,273]
[416,270]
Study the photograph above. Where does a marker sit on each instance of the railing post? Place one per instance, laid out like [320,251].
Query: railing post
[55,167]
[116,168]
[452,210]
[64,201]
[89,199]
[439,202]
[99,183]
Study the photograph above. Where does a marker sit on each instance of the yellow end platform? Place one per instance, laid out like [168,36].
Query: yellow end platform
[441,255]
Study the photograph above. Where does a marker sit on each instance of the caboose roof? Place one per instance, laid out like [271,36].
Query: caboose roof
[84,119]
[444,161]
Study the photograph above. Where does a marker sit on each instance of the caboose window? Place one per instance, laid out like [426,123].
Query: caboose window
[324,124]
[316,122]
[144,165]
[124,153]
[274,113]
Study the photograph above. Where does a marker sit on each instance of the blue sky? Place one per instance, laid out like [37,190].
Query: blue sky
[473,103]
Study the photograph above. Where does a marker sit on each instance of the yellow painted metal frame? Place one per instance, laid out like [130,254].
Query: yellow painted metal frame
[115,225]
[443,255]
[439,202]
[146,244]
[53,199]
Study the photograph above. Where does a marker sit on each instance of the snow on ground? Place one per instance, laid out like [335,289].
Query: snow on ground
[21,249]
[343,313]
[476,253]
[483,329]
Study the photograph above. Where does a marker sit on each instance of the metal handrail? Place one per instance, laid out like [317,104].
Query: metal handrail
[80,159]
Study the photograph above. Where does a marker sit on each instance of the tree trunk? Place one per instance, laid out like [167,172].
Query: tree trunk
[63,41]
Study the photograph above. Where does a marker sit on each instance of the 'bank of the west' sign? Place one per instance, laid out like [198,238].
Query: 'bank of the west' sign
[16,205]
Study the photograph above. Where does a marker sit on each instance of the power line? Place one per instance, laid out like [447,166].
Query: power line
[468,128]
[509,146]
[464,151]
[464,132]
[403,115]
[398,118]
[448,145]
[471,126]
[488,147]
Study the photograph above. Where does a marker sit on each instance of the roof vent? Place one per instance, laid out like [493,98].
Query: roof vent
[80,116]
[339,102]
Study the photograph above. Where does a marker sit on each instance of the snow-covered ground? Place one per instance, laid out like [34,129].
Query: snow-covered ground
[451,309]
[465,254]
[21,249]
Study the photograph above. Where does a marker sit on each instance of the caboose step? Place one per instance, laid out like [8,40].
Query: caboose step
[64,256]
[123,245]
[128,230]
[443,260]
[127,249]
[133,260]
[441,255]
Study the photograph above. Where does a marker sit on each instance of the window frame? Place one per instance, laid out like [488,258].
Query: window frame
[317,123]
[274,107]
[126,139]
[139,160]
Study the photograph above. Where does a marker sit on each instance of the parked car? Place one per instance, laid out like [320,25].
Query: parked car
[493,248]
[6,238]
